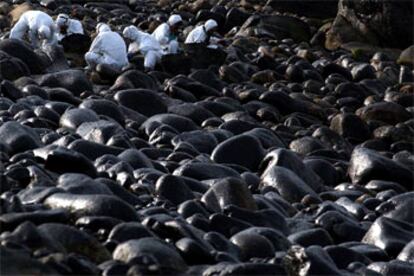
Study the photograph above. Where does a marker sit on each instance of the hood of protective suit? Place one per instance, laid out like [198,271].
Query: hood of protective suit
[210,24]
[62,20]
[132,32]
[102,27]
[174,19]
[145,41]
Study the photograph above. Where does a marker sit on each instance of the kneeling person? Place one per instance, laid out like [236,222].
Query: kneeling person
[146,44]
[166,34]
[108,48]
[67,26]
[39,26]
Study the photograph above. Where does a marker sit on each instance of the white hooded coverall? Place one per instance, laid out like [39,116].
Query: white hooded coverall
[146,44]
[164,36]
[38,25]
[73,26]
[107,48]
[200,34]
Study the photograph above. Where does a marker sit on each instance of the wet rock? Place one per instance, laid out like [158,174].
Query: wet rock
[74,240]
[398,207]
[252,245]
[133,79]
[203,171]
[73,118]
[350,126]
[235,17]
[92,150]
[407,254]
[73,80]
[356,209]
[333,68]
[166,256]
[23,52]
[366,165]
[104,107]
[176,64]
[243,150]
[100,131]
[81,184]
[95,223]
[386,112]
[324,170]
[389,234]
[286,182]
[231,74]
[245,269]
[317,9]
[276,237]
[312,260]
[229,191]
[363,71]
[63,160]
[197,113]
[406,57]
[267,138]
[92,205]
[120,192]
[287,105]
[14,262]
[173,188]
[271,218]
[18,137]
[11,67]
[28,236]
[205,56]
[363,30]
[202,141]
[264,26]
[317,236]
[379,185]
[177,122]
[343,256]
[193,252]
[135,158]
[289,160]
[10,221]
[128,231]
[208,77]
[394,267]
[143,101]
[340,225]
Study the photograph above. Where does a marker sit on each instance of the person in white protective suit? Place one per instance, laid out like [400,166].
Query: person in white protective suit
[146,44]
[67,26]
[166,34]
[39,26]
[107,48]
[203,33]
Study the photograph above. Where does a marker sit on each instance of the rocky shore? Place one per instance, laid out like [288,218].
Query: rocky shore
[289,151]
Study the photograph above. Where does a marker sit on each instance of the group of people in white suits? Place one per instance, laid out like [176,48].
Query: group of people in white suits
[109,47]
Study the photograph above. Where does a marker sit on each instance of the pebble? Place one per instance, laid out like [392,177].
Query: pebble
[92,205]
[243,150]
[165,255]
[229,191]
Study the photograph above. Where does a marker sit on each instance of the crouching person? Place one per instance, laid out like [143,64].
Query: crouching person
[39,27]
[146,44]
[108,48]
